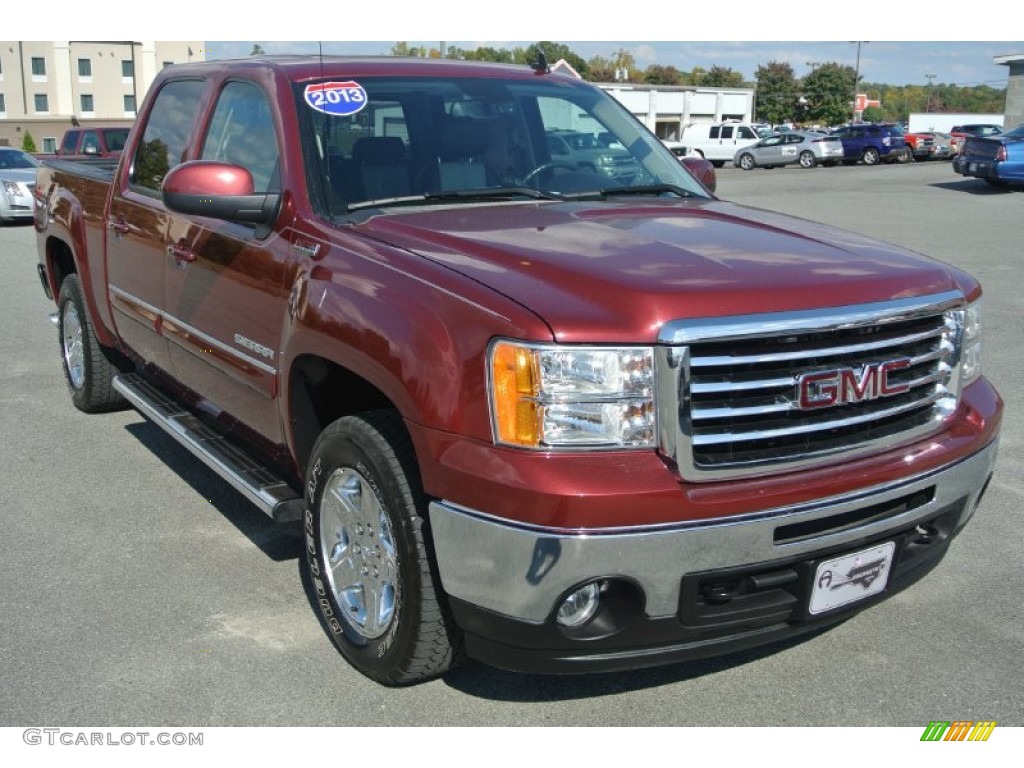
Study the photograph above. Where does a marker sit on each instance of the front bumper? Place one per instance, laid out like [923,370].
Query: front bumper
[506,580]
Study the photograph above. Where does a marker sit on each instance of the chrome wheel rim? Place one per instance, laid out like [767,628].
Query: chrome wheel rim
[359,549]
[71,344]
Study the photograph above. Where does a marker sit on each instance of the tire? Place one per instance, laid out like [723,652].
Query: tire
[871,156]
[747,162]
[369,553]
[807,159]
[88,371]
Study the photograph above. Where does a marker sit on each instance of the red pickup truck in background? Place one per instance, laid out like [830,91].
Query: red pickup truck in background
[548,416]
[93,142]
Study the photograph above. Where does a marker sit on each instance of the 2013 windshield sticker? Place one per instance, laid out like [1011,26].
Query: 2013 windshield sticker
[336,98]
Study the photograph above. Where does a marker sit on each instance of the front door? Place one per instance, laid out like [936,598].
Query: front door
[225,296]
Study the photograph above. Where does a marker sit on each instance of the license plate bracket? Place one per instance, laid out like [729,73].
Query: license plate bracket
[847,579]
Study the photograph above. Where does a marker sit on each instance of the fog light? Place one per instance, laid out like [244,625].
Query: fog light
[579,607]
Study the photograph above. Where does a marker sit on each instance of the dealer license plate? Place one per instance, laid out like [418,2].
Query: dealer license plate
[851,578]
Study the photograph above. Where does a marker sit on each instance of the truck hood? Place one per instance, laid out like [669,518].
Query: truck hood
[616,272]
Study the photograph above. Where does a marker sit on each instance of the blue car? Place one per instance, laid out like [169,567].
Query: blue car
[999,159]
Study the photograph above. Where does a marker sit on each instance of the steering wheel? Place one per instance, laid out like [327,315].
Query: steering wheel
[550,166]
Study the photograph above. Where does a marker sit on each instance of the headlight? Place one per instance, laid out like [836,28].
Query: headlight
[550,396]
[970,352]
[11,188]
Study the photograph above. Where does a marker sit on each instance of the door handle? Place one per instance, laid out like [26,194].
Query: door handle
[118,225]
[182,253]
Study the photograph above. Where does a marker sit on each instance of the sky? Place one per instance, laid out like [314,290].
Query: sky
[694,34]
[884,62]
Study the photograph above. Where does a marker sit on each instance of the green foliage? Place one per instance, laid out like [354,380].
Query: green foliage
[829,92]
[659,75]
[28,144]
[722,77]
[875,115]
[257,50]
[777,92]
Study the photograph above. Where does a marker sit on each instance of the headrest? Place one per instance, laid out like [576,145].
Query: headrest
[378,150]
[463,137]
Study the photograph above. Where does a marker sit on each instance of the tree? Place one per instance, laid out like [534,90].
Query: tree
[28,144]
[657,74]
[777,92]
[257,50]
[874,115]
[829,92]
[722,77]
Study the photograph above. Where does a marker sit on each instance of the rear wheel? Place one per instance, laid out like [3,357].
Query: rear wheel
[807,159]
[871,156]
[369,553]
[88,371]
[747,162]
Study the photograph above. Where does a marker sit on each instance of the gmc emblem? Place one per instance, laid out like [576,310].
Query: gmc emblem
[841,386]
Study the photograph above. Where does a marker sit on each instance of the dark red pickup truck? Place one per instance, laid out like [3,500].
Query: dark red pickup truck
[555,416]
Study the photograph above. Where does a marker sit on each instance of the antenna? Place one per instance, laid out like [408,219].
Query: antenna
[540,66]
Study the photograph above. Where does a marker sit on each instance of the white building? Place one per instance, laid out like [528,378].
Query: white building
[46,85]
[667,109]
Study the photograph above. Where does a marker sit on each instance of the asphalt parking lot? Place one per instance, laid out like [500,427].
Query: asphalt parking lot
[140,589]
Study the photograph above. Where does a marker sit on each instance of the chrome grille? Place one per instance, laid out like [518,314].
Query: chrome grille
[735,384]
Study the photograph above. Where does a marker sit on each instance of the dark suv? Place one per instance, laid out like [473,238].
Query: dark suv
[873,143]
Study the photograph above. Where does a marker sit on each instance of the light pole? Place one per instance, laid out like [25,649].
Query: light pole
[856,79]
[928,107]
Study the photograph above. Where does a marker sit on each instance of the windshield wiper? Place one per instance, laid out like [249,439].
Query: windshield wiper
[479,193]
[488,193]
[646,189]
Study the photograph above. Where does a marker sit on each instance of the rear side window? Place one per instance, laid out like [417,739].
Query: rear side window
[242,132]
[165,140]
[67,146]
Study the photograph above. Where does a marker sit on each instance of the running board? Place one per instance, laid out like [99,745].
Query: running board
[246,475]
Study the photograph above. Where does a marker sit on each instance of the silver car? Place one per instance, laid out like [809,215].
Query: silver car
[17,182]
[804,147]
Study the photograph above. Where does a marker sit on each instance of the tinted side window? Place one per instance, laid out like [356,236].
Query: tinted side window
[727,132]
[165,140]
[714,133]
[242,132]
[746,133]
[70,140]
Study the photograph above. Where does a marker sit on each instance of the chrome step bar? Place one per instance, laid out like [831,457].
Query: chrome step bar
[253,480]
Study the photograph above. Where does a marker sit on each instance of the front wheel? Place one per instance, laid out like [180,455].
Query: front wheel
[369,554]
[87,370]
[807,159]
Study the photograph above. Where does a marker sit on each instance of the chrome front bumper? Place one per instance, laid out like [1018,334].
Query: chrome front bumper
[522,572]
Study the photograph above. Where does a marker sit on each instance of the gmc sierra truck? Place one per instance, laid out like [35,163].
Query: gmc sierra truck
[542,416]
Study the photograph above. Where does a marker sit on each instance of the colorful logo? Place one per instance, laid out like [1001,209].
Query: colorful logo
[336,98]
[958,730]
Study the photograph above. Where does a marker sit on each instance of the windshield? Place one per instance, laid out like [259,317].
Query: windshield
[15,158]
[400,141]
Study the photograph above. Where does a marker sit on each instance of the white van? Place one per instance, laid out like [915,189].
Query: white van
[720,142]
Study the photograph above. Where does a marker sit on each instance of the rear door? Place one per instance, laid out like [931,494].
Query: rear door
[137,223]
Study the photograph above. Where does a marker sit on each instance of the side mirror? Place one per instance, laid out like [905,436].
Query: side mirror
[217,190]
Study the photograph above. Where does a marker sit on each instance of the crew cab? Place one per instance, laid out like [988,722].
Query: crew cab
[529,413]
[93,142]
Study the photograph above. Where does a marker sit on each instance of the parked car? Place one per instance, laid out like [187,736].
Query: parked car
[997,158]
[93,142]
[720,142]
[17,183]
[802,147]
[872,143]
[943,146]
[585,152]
